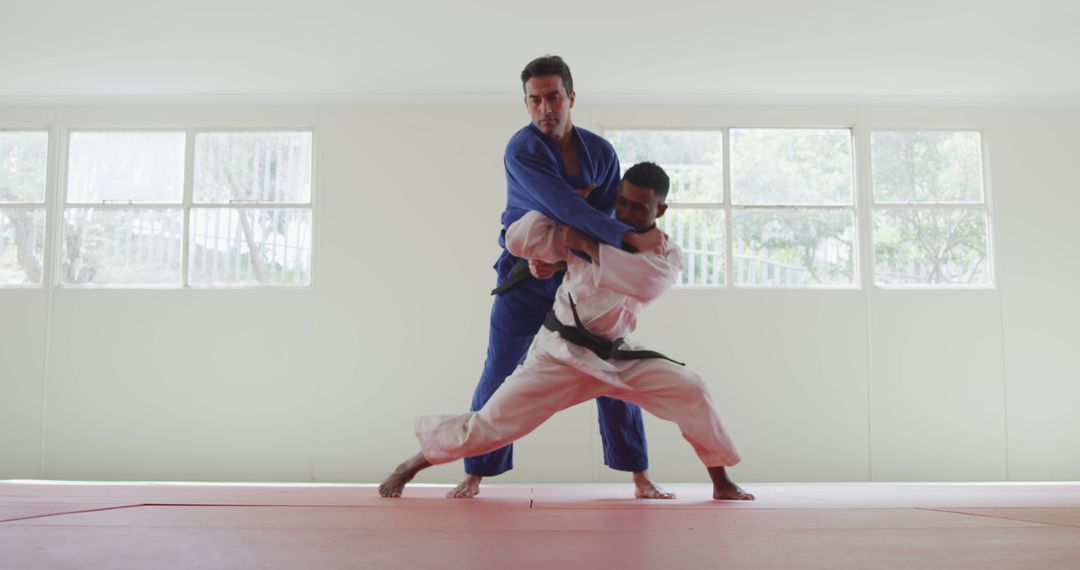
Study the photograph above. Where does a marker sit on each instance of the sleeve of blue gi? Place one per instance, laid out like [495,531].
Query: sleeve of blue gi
[536,174]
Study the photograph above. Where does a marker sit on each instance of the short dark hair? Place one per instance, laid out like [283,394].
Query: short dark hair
[649,175]
[548,65]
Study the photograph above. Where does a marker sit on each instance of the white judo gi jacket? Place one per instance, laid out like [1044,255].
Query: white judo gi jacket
[557,374]
[608,294]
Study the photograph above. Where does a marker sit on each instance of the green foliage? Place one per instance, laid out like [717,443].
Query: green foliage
[791,167]
[129,167]
[700,234]
[692,159]
[253,167]
[813,167]
[930,246]
[22,166]
[927,167]
[114,246]
[816,245]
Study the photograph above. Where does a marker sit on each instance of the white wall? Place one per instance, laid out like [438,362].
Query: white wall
[323,383]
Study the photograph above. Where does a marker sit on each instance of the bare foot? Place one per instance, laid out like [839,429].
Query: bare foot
[394,484]
[724,489]
[731,492]
[468,488]
[644,488]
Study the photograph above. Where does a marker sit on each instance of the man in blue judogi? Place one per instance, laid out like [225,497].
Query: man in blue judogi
[572,176]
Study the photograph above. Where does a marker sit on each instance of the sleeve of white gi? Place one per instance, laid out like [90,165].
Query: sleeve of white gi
[533,236]
[642,276]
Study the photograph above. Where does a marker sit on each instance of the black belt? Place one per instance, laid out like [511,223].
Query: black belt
[602,347]
[518,273]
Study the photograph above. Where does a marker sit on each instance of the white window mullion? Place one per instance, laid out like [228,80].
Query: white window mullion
[988,202]
[793,207]
[864,220]
[189,185]
[106,205]
[693,206]
[729,226]
[58,201]
[933,206]
[53,209]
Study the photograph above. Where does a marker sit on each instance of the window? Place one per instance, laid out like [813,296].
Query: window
[23,160]
[793,198]
[124,217]
[246,213]
[788,208]
[253,220]
[696,217]
[930,213]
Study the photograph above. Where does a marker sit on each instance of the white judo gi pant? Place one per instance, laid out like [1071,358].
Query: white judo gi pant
[544,385]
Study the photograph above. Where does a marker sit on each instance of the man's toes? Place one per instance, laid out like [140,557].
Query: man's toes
[733,495]
[652,492]
[460,492]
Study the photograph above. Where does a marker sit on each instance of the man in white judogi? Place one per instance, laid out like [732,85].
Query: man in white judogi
[581,353]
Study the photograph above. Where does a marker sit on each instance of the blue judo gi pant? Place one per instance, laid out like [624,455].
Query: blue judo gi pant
[516,317]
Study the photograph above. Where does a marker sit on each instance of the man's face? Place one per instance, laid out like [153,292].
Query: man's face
[638,206]
[549,104]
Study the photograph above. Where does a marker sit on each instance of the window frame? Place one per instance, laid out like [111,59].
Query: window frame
[729,208]
[186,204]
[873,206]
[44,205]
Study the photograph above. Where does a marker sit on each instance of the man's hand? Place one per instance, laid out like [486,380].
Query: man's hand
[584,192]
[544,270]
[574,238]
[652,241]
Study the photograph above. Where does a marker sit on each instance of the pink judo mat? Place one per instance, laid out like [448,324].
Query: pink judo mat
[804,526]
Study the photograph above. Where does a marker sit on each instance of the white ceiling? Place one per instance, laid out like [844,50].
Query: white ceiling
[616,48]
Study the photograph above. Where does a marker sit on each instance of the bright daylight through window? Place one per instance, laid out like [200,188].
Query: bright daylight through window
[248,215]
[786,218]
[931,217]
[785,215]
[23,163]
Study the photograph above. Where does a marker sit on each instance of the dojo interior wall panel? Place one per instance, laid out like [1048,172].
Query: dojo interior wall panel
[801,352]
[1038,201]
[937,402]
[410,202]
[22,358]
[155,413]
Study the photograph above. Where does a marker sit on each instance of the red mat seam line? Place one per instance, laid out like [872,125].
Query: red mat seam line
[292,506]
[998,517]
[71,513]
